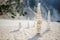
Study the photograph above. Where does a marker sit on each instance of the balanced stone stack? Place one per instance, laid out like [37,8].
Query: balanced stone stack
[39,18]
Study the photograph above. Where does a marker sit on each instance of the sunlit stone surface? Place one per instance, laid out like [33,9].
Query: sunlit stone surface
[21,30]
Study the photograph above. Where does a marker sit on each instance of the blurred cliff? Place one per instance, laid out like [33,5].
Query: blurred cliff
[27,9]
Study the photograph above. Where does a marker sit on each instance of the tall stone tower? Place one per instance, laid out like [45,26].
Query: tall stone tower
[39,18]
[49,19]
